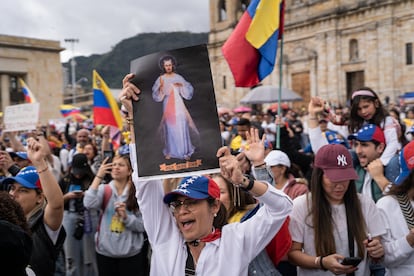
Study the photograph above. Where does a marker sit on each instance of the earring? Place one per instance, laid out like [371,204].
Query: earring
[215,215]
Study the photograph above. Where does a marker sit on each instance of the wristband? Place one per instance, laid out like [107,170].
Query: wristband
[129,120]
[387,188]
[317,260]
[43,170]
[251,182]
[100,177]
[321,263]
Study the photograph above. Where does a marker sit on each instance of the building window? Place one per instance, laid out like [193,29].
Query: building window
[409,53]
[16,92]
[353,49]
[222,10]
[224,82]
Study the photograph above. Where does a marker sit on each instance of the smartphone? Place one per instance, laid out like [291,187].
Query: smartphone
[110,154]
[354,261]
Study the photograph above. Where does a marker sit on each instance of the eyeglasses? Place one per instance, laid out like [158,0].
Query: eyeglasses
[189,204]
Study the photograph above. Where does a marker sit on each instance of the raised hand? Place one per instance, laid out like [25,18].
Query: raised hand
[316,106]
[37,151]
[229,166]
[129,92]
[254,149]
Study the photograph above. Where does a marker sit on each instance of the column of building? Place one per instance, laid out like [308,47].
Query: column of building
[5,91]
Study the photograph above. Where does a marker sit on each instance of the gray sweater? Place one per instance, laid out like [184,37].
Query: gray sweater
[117,239]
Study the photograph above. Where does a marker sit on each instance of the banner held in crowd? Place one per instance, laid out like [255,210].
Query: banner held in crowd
[251,49]
[21,117]
[175,119]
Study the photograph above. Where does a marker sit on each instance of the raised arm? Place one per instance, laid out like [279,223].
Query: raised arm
[129,93]
[315,108]
[230,170]
[37,152]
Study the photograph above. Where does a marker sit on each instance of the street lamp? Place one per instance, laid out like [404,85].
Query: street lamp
[73,64]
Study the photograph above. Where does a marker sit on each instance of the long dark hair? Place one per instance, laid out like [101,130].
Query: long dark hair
[323,224]
[221,217]
[293,170]
[131,202]
[356,122]
[245,198]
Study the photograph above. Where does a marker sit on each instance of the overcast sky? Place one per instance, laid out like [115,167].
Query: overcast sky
[99,24]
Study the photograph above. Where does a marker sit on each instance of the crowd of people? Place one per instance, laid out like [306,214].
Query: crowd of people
[334,195]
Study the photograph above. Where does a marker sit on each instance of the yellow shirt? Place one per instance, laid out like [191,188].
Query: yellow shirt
[237,216]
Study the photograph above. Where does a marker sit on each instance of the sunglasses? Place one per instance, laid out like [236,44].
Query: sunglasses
[189,204]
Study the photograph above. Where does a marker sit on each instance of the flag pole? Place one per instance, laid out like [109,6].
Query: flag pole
[279,109]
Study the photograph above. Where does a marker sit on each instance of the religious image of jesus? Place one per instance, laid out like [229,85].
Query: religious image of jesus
[177,129]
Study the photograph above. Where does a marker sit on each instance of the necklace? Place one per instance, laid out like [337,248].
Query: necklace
[194,243]
[215,234]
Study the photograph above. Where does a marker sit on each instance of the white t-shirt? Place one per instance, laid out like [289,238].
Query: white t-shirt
[399,255]
[302,232]
[270,136]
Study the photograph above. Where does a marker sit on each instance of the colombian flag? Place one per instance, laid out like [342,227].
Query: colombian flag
[105,108]
[28,95]
[251,49]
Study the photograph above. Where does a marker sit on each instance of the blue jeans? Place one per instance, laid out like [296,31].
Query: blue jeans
[377,269]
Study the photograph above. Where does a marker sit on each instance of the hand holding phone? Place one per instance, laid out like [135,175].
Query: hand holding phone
[108,154]
[369,239]
[354,261]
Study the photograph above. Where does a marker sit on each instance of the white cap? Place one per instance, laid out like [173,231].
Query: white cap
[277,157]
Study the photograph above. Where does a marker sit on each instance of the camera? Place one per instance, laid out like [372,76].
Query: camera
[78,233]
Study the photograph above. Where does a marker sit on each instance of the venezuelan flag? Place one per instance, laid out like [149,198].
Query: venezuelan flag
[68,110]
[28,95]
[105,108]
[251,49]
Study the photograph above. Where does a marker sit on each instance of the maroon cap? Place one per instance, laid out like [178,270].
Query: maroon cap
[336,162]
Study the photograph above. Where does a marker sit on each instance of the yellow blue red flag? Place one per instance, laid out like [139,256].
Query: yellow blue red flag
[28,95]
[105,108]
[71,111]
[251,49]
[67,110]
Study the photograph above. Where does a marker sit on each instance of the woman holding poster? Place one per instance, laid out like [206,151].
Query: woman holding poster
[187,227]
[177,126]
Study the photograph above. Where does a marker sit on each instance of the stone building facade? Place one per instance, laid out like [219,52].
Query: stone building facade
[37,62]
[330,48]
